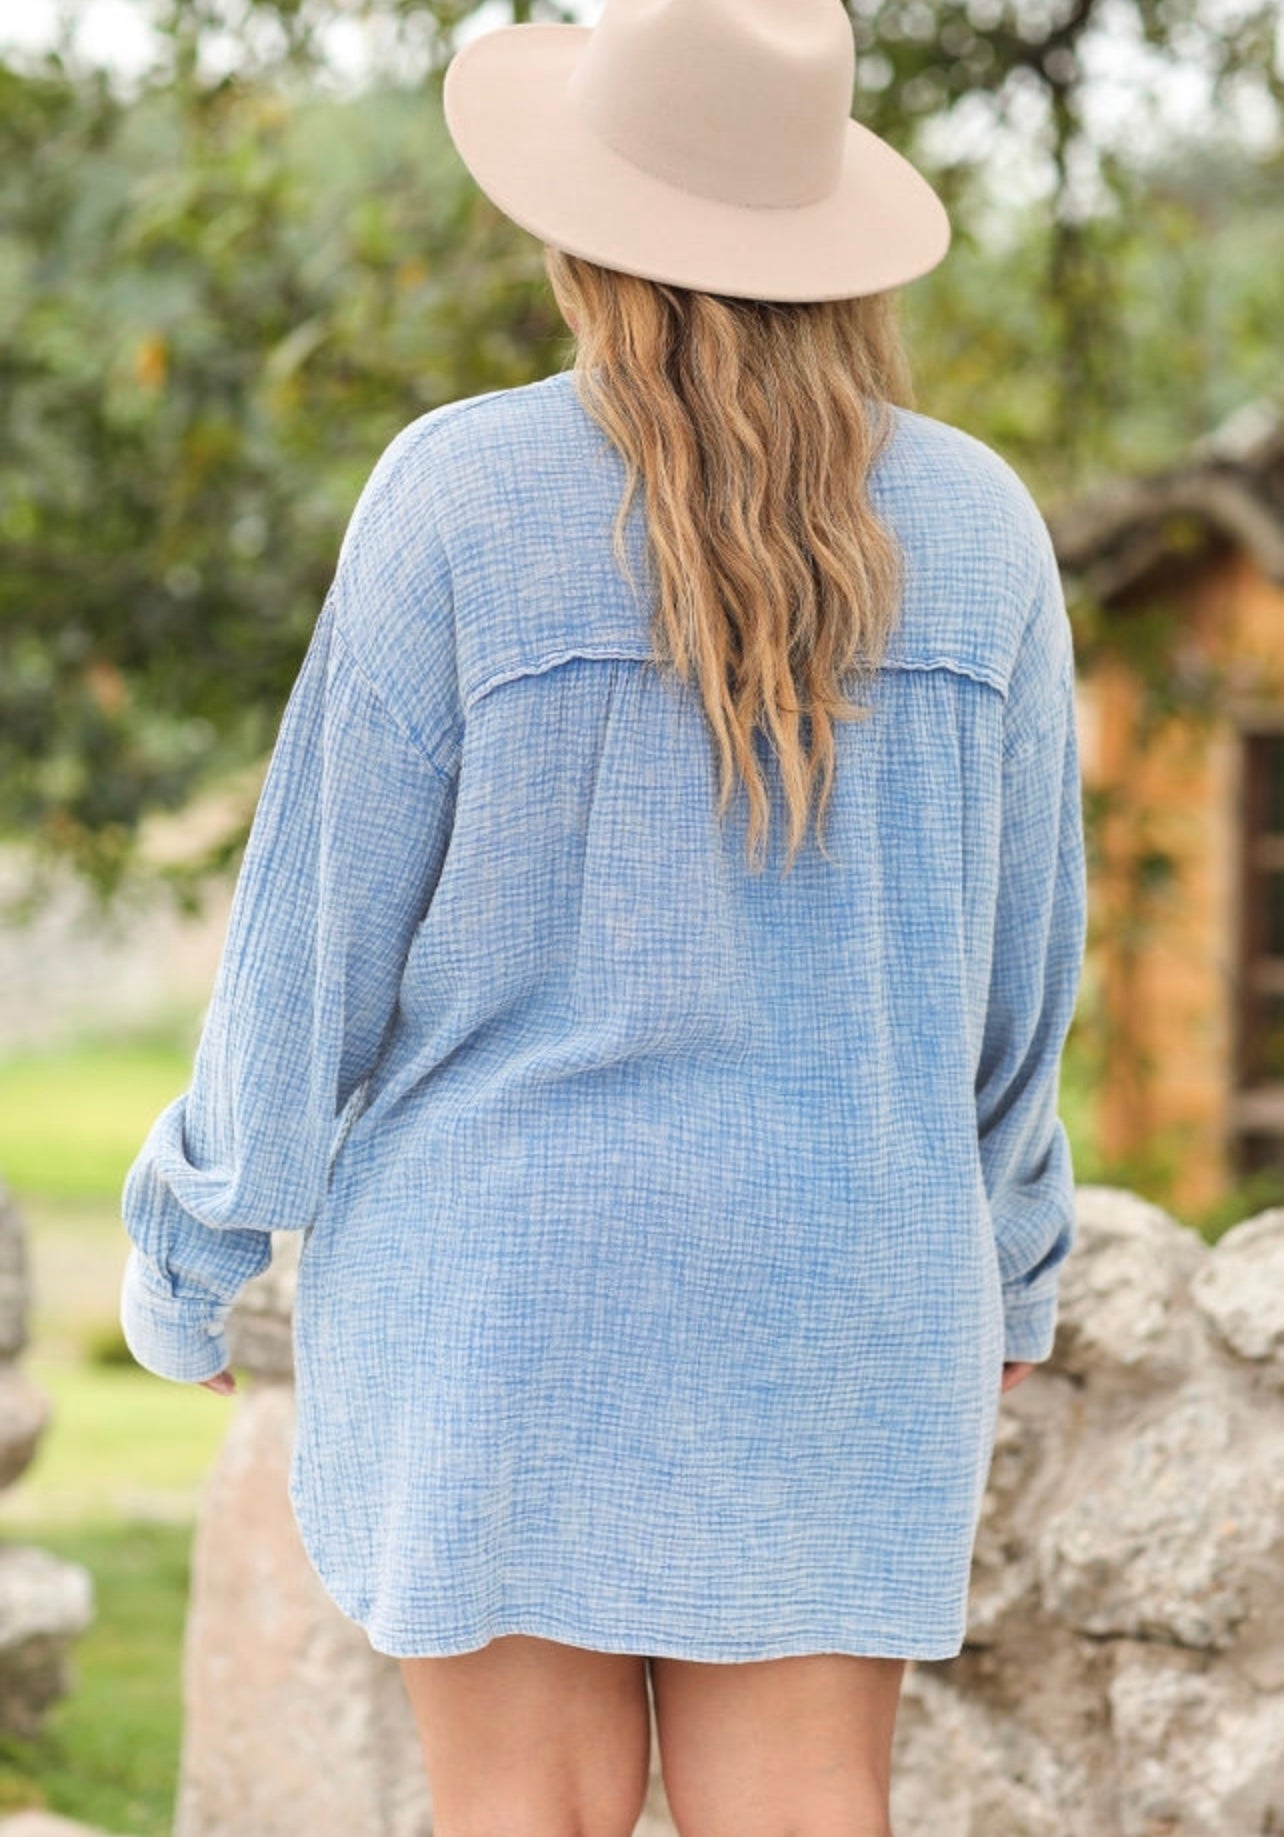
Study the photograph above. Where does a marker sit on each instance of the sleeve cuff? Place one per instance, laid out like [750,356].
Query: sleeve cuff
[1029,1325]
[179,1338]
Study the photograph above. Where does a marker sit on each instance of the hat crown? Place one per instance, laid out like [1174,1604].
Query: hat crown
[745,101]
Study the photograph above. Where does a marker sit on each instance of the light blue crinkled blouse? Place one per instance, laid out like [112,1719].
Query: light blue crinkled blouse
[665,1224]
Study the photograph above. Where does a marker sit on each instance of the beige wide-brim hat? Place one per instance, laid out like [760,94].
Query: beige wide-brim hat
[706,143]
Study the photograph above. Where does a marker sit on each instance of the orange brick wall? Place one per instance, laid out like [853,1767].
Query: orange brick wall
[1169,984]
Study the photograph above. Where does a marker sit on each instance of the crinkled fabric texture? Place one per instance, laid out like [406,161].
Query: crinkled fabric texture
[665,1224]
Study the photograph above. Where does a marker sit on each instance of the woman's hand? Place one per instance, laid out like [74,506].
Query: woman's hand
[223,1382]
[1013,1372]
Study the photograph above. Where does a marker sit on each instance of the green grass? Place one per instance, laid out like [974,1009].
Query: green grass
[73,1118]
[121,1443]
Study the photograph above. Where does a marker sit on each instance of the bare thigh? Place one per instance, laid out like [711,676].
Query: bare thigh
[531,1738]
[788,1747]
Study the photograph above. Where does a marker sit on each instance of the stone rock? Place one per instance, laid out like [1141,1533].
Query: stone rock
[961,1770]
[1198,1750]
[1163,1533]
[1240,1291]
[45,1603]
[25,1414]
[1037,1424]
[292,1721]
[1125,1313]
[15,1276]
[259,1335]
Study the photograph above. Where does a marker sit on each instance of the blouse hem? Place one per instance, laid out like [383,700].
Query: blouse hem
[856,1644]
[398,1639]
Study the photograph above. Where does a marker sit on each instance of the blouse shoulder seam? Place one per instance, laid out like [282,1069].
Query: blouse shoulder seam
[977,672]
[545,661]
[621,649]
[416,745]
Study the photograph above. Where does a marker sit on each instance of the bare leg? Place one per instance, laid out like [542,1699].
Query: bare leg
[531,1738]
[790,1747]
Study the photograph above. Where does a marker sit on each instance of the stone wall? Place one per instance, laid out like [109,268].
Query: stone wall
[1123,1674]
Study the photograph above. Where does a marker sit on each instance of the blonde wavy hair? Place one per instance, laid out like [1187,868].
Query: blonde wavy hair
[752,426]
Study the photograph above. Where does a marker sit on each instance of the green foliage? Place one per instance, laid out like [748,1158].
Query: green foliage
[956,60]
[217,306]
[1190,329]
[220,298]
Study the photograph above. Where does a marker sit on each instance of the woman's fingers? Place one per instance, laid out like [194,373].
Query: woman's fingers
[1013,1372]
[224,1382]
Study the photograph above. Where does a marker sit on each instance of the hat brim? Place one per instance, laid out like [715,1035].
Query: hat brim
[507,111]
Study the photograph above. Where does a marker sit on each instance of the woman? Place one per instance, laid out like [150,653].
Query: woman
[648,975]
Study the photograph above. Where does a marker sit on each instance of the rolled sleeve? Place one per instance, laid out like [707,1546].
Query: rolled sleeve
[343,854]
[1039,940]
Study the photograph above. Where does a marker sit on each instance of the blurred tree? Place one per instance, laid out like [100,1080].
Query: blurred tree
[1194,328]
[922,62]
[219,302]
[220,297]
